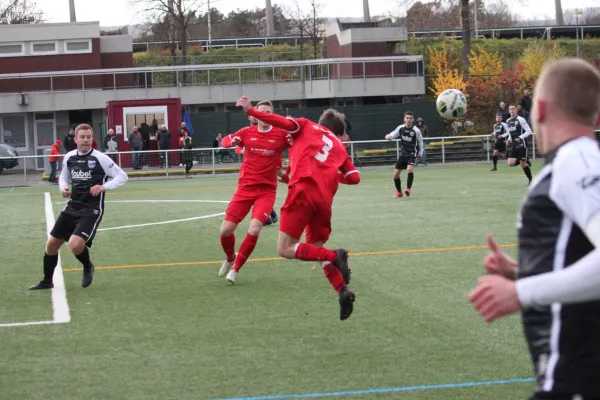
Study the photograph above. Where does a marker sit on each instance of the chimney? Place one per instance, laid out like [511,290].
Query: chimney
[366,14]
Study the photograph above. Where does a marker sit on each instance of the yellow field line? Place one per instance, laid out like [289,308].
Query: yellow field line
[368,253]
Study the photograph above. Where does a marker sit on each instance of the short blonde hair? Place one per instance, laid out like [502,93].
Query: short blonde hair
[83,127]
[573,86]
[264,103]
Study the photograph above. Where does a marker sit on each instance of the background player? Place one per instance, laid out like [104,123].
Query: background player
[410,137]
[518,131]
[500,133]
[318,157]
[86,170]
[257,188]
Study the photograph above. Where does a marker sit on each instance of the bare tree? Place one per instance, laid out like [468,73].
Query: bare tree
[19,12]
[307,24]
[465,18]
[177,15]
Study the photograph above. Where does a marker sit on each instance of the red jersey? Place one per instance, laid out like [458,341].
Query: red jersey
[317,153]
[262,154]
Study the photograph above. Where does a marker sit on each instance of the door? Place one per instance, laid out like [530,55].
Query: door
[136,116]
[44,134]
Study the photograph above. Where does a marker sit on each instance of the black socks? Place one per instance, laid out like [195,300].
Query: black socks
[50,263]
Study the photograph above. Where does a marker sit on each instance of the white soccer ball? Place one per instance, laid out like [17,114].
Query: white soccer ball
[451,104]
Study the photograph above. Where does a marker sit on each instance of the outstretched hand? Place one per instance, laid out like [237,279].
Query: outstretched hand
[497,262]
[244,103]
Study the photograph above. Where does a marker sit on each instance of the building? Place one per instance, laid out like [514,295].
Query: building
[55,76]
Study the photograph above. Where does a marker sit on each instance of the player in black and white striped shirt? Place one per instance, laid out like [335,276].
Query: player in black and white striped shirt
[86,170]
[558,270]
[518,132]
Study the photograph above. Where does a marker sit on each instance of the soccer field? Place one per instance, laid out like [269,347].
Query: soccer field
[158,323]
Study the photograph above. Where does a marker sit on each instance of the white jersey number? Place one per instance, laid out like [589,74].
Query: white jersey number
[324,153]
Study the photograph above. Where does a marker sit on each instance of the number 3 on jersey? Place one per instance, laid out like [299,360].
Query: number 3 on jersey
[324,153]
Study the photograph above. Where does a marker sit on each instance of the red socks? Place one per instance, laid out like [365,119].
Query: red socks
[228,244]
[246,249]
[309,252]
[334,276]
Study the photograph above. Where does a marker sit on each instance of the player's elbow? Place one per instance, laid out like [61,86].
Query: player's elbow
[353,179]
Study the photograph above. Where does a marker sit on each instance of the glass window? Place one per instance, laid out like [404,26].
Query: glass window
[44,47]
[79,46]
[45,133]
[14,132]
[11,49]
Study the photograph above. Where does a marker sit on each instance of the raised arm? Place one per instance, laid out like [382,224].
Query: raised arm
[289,124]
[394,134]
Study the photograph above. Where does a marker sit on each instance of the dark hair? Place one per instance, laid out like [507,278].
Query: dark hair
[409,113]
[499,115]
[331,120]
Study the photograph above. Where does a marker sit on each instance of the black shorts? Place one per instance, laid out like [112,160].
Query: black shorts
[500,146]
[520,153]
[559,396]
[405,160]
[83,226]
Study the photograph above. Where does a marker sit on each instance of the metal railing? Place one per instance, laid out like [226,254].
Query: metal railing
[212,162]
[211,74]
[520,31]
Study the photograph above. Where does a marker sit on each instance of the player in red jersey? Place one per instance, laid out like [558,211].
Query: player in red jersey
[257,186]
[320,163]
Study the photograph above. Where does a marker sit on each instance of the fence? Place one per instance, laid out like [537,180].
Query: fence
[213,74]
[210,162]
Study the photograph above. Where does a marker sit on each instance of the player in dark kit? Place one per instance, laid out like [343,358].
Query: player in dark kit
[500,133]
[518,131]
[86,170]
[556,281]
[410,137]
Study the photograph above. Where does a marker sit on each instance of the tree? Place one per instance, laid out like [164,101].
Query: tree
[483,85]
[533,59]
[19,12]
[446,70]
[177,16]
[465,18]
[307,24]
[559,14]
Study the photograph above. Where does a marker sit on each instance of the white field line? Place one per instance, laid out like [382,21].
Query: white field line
[59,294]
[162,222]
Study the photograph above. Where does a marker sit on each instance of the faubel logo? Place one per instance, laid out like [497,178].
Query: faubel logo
[81,175]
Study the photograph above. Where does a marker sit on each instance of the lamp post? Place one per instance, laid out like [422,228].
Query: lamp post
[577,14]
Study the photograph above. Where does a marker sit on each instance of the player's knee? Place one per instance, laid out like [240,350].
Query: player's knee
[76,244]
[255,227]
[53,245]
[227,228]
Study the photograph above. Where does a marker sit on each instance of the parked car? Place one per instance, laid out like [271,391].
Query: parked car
[8,157]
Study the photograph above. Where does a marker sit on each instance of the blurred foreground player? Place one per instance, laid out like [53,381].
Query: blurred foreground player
[320,163]
[558,270]
[86,170]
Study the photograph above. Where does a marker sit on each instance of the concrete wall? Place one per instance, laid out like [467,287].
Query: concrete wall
[280,91]
[39,32]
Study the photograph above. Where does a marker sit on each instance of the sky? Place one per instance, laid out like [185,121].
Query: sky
[121,12]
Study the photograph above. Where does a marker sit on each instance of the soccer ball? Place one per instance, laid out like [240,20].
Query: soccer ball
[451,104]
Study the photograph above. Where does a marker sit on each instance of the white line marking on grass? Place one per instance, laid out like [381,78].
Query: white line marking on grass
[59,293]
[160,201]
[162,222]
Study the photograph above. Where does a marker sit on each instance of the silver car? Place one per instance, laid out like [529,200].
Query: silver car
[8,157]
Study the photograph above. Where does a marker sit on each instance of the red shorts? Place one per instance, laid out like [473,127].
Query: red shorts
[304,208]
[261,201]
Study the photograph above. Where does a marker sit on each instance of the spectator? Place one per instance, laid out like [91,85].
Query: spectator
[183,129]
[111,143]
[136,142]
[164,143]
[53,159]
[503,111]
[223,152]
[521,112]
[69,142]
[525,102]
[424,133]
[187,156]
[145,132]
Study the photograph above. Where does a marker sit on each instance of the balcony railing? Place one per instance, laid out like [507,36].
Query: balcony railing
[207,75]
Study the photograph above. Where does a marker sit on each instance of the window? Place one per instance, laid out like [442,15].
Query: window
[13,131]
[11,49]
[78,46]
[44,48]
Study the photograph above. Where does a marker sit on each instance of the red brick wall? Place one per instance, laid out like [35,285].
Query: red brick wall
[117,60]
[65,62]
